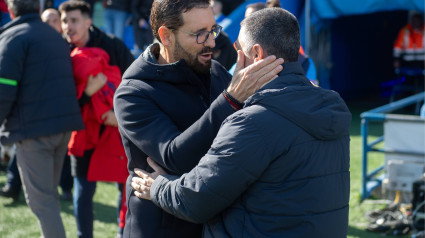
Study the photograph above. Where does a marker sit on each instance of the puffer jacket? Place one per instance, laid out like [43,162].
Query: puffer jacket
[172,115]
[277,168]
[37,91]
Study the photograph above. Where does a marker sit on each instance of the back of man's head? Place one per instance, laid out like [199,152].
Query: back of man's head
[275,30]
[169,13]
[72,5]
[21,7]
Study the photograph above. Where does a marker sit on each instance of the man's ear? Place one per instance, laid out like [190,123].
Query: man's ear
[166,35]
[258,52]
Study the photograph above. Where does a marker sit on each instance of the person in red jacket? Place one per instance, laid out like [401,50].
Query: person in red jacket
[108,161]
[409,50]
[79,32]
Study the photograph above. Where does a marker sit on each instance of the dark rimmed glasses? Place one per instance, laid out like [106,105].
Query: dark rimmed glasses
[202,36]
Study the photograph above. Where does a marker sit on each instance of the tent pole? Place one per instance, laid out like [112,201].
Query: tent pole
[307,27]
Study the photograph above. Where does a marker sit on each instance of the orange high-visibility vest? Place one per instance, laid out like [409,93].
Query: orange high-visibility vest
[409,45]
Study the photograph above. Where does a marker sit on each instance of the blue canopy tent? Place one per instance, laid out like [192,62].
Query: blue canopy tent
[349,40]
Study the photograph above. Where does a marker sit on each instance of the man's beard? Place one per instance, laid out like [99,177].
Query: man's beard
[192,60]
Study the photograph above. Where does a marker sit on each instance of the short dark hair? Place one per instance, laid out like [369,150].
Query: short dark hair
[276,30]
[21,7]
[169,13]
[72,5]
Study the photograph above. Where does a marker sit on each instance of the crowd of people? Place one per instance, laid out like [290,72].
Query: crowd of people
[187,130]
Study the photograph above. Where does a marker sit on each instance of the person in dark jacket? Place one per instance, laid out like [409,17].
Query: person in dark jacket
[38,107]
[171,104]
[79,32]
[277,168]
[140,10]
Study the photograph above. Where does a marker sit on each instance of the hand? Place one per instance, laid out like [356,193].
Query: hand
[95,83]
[109,118]
[247,81]
[143,184]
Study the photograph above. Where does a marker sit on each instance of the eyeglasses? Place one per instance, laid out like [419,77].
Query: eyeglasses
[202,36]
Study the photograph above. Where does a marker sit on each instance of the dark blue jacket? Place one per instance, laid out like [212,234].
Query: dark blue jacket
[171,114]
[277,168]
[37,90]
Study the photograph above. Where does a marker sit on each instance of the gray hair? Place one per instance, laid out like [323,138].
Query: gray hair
[21,7]
[276,30]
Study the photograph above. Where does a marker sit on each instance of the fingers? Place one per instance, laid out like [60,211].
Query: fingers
[142,195]
[104,116]
[262,63]
[240,62]
[268,73]
[141,191]
[141,173]
[101,77]
[140,184]
[155,166]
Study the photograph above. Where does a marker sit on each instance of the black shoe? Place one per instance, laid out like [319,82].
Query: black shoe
[66,196]
[6,191]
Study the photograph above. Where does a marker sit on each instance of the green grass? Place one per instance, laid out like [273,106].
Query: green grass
[16,219]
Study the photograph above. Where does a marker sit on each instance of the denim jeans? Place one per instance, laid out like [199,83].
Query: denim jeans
[115,22]
[83,206]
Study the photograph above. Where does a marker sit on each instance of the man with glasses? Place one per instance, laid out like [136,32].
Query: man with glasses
[172,102]
[277,168]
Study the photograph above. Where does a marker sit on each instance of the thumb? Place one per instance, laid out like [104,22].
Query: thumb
[155,166]
[239,62]
[104,115]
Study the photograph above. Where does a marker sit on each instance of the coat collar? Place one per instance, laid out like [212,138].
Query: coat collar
[290,68]
[21,19]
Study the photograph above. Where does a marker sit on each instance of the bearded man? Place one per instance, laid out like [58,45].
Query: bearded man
[172,101]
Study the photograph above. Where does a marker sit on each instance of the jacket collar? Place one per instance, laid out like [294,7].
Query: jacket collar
[290,68]
[21,19]
[291,75]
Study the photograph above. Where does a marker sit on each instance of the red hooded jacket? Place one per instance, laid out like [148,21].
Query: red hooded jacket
[108,162]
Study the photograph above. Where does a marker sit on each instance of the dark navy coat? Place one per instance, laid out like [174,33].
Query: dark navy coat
[277,168]
[37,90]
[172,115]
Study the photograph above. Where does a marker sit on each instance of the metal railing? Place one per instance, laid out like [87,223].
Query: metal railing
[371,180]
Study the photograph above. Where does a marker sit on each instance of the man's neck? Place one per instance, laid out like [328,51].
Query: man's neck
[84,41]
[165,56]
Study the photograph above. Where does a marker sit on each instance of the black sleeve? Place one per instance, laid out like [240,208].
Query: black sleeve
[151,130]
[84,99]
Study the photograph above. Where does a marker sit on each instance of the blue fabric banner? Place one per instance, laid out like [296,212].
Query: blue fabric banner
[327,9]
